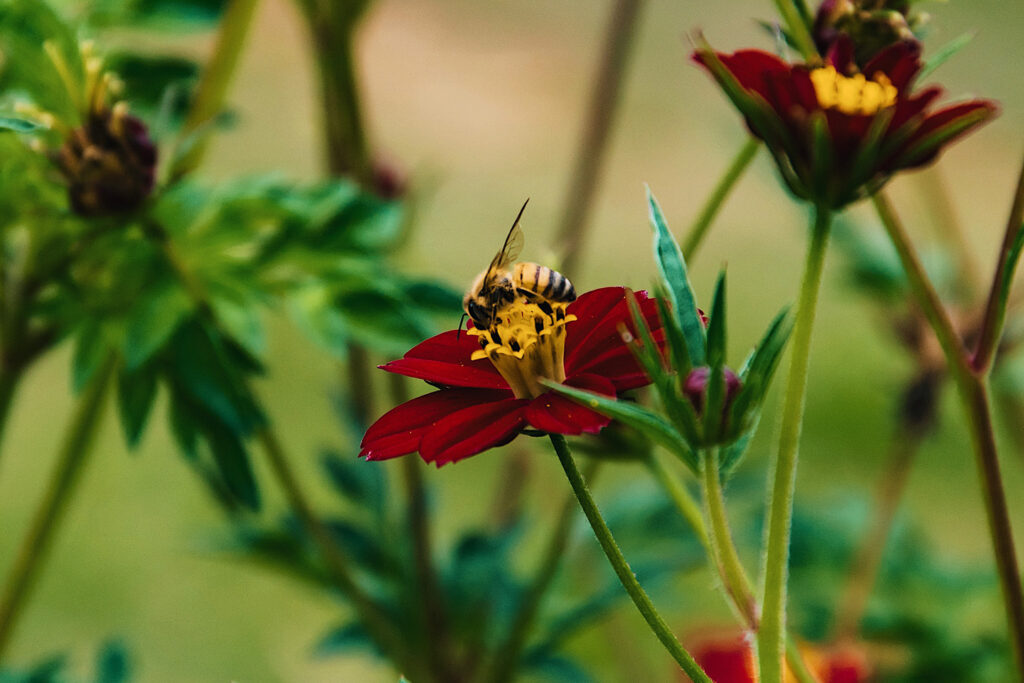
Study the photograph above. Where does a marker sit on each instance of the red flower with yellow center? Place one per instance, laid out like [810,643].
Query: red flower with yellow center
[489,381]
[838,133]
[730,659]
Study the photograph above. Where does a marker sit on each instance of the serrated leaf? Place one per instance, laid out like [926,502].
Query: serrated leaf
[650,424]
[673,272]
[135,395]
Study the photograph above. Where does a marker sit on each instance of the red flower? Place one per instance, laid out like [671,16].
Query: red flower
[838,134]
[488,381]
[730,659]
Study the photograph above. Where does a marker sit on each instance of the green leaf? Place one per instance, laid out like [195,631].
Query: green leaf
[232,459]
[153,322]
[344,639]
[364,485]
[241,319]
[197,11]
[147,78]
[112,664]
[673,272]
[757,372]
[650,424]
[136,392]
[1010,265]
[717,325]
[18,125]
[679,356]
[940,56]
[90,351]
[644,349]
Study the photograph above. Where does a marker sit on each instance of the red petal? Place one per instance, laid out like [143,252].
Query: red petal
[557,414]
[751,68]
[473,430]
[900,62]
[601,336]
[445,360]
[944,117]
[398,432]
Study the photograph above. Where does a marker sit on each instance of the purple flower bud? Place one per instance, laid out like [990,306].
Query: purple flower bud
[696,387]
[109,163]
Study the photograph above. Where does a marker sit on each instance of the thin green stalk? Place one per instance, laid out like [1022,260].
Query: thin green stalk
[995,309]
[734,578]
[209,97]
[721,191]
[370,614]
[506,663]
[9,379]
[596,132]
[798,30]
[681,498]
[868,558]
[780,510]
[972,387]
[59,492]
[629,582]
[690,511]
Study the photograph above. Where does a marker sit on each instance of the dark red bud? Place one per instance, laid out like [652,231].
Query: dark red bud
[390,181]
[696,386]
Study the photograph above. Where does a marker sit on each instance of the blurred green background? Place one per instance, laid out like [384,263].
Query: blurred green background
[483,103]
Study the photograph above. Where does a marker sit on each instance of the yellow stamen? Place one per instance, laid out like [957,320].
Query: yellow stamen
[526,343]
[853,94]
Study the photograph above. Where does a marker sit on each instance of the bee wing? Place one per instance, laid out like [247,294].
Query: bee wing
[513,245]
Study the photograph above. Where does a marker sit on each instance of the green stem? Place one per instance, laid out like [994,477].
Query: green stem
[209,97]
[868,558]
[59,492]
[734,578]
[506,663]
[780,511]
[681,498]
[798,30]
[604,101]
[974,397]
[9,379]
[629,582]
[373,618]
[718,196]
[690,511]
[995,309]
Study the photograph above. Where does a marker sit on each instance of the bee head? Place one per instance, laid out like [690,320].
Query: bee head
[480,315]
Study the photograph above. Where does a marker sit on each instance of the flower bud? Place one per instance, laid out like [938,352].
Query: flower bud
[109,163]
[870,25]
[696,387]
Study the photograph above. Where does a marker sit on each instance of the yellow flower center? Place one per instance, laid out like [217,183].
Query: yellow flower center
[853,94]
[526,343]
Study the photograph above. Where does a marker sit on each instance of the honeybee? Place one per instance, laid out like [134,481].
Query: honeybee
[500,285]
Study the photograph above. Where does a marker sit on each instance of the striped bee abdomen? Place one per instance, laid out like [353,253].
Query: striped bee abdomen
[544,282]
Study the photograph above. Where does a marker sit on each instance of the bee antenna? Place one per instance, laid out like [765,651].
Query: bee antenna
[459,333]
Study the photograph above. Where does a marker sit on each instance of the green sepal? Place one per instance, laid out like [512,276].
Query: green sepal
[645,350]
[927,146]
[717,325]
[652,425]
[757,371]
[673,272]
[823,158]
[678,356]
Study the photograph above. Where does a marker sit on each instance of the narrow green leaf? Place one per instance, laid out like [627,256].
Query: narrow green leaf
[90,350]
[645,350]
[650,424]
[18,125]
[940,56]
[757,372]
[232,460]
[1012,259]
[678,355]
[673,272]
[717,325]
[135,395]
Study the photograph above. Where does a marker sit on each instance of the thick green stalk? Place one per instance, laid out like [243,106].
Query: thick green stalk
[734,578]
[629,582]
[604,101]
[209,97]
[780,510]
[59,492]
[721,191]
[506,662]
[972,388]
[797,29]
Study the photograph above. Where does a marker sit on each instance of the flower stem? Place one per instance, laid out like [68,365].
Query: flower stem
[9,379]
[506,663]
[995,309]
[629,582]
[370,614]
[868,557]
[721,191]
[74,450]
[209,97]
[798,30]
[972,387]
[594,143]
[780,510]
[734,578]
